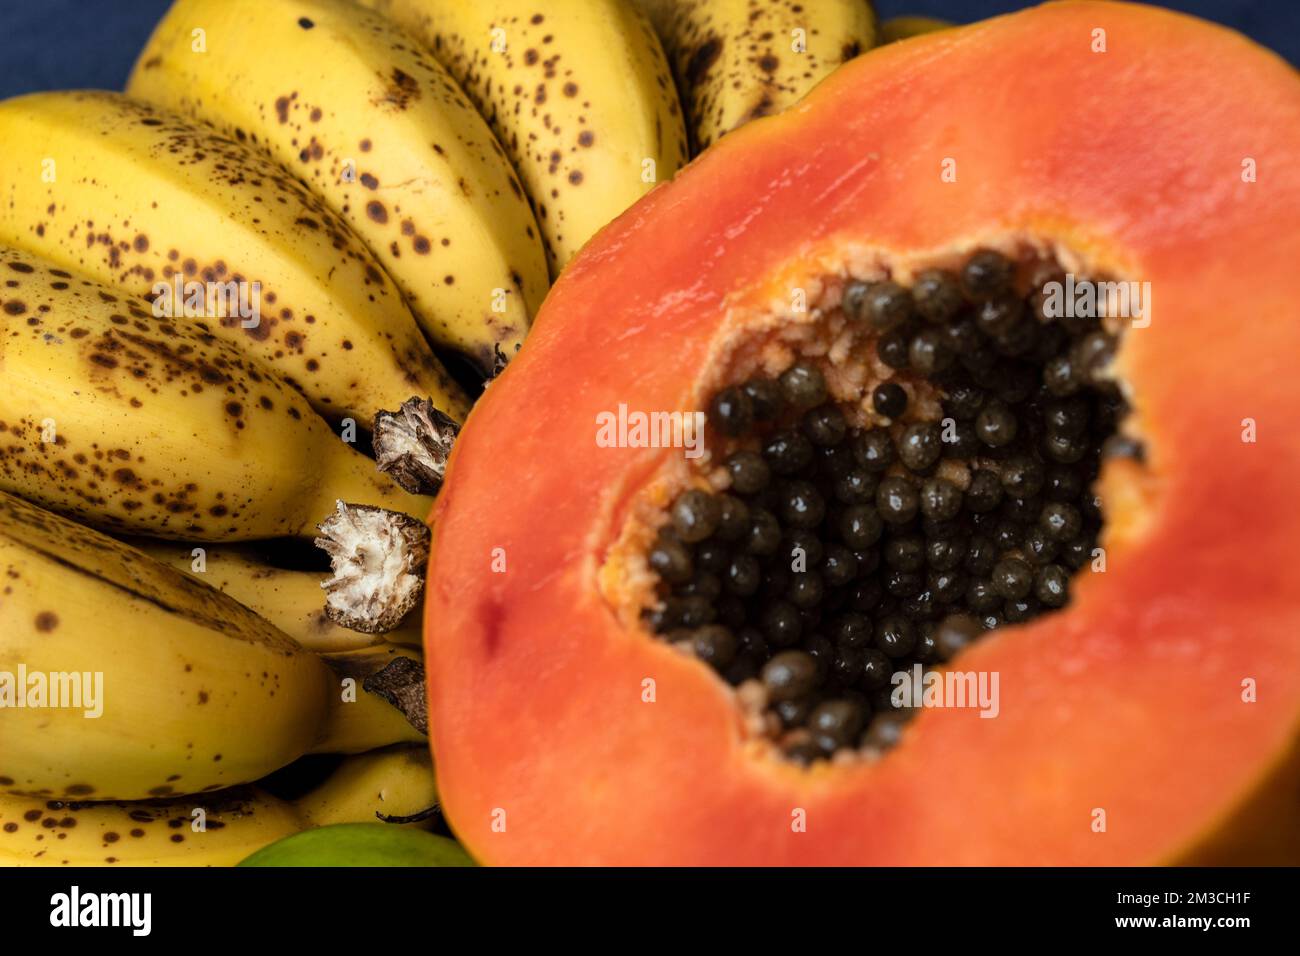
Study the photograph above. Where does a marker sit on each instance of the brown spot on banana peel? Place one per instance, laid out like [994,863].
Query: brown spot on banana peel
[701,59]
[400,90]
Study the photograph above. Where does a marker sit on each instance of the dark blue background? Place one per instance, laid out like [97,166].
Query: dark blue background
[63,44]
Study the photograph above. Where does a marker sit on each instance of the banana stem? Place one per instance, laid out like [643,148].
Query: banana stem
[413,445]
[379,559]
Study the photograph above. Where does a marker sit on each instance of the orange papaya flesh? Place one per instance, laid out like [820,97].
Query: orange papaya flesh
[1127,732]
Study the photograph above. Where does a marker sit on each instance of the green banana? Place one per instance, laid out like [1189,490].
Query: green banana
[362,844]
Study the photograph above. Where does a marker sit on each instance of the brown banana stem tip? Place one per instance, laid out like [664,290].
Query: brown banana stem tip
[413,444]
[401,683]
[378,558]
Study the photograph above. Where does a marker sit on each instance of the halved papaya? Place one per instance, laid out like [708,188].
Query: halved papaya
[1154,718]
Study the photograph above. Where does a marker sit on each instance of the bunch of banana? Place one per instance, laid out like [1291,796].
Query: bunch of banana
[205,227]
[379,130]
[291,600]
[125,679]
[157,426]
[736,60]
[578,92]
[217,829]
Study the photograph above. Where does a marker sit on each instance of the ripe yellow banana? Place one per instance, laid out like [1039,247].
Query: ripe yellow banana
[359,720]
[903,28]
[395,782]
[291,600]
[379,130]
[143,200]
[217,829]
[124,679]
[156,426]
[578,92]
[737,60]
